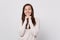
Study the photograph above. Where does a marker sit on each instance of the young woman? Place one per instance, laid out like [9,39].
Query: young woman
[29,25]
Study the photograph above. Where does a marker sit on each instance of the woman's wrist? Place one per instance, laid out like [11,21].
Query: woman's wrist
[29,17]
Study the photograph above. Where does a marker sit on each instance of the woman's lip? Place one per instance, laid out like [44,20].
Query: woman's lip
[28,12]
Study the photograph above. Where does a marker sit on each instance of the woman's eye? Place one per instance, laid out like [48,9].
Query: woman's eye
[25,9]
[29,9]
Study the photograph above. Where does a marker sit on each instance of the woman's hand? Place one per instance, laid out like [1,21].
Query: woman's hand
[28,17]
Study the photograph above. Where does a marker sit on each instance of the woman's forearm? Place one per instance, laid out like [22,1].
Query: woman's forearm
[22,28]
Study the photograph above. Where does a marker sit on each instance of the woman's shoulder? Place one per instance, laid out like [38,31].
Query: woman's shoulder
[20,20]
[37,19]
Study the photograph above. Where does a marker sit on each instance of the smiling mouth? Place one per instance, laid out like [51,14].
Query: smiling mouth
[28,12]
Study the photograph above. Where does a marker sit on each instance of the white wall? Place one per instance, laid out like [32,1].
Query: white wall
[46,10]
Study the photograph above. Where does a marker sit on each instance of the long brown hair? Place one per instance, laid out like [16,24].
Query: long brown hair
[32,15]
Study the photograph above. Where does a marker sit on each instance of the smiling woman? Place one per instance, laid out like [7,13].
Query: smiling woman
[29,25]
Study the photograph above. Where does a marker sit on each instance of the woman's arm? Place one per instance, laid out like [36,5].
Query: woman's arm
[34,29]
[22,28]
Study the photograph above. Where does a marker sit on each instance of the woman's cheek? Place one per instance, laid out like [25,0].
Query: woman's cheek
[30,12]
[25,13]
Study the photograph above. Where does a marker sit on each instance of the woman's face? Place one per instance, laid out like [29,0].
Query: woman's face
[27,10]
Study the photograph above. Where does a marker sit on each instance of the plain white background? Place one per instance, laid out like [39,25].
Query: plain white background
[48,12]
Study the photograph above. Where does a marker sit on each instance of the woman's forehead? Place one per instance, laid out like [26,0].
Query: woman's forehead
[28,6]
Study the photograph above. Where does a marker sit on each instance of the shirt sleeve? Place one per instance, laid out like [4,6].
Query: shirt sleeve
[34,29]
[22,29]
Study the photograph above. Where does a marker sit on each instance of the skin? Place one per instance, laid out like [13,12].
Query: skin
[28,11]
